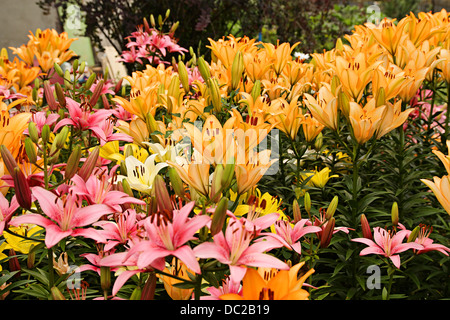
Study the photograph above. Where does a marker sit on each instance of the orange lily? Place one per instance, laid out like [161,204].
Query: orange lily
[179,269]
[324,107]
[365,121]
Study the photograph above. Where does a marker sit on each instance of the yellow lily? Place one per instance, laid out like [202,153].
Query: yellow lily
[19,244]
[319,178]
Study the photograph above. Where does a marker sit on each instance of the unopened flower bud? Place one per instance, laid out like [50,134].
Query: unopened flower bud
[136,294]
[237,68]
[73,162]
[96,93]
[203,68]
[216,185]
[148,292]
[327,233]
[184,77]
[307,202]
[82,67]
[256,90]
[394,214]
[414,234]
[31,258]
[56,294]
[366,231]
[228,173]
[177,183]
[89,165]
[319,142]
[61,137]
[296,212]
[45,133]
[105,277]
[174,87]
[126,187]
[332,208]
[75,65]
[22,188]
[13,262]
[118,86]
[90,81]
[380,97]
[152,126]
[30,150]
[162,195]
[49,96]
[60,94]
[152,21]
[67,80]
[219,215]
[58,69]
[8,159]
[216,99]
[344,103]
[33,132]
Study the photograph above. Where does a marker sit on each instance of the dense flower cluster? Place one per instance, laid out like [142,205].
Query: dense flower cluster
[164,184]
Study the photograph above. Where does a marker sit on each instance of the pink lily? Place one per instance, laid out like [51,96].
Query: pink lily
[168,237]
[387,245]
[107,85]
[235,249]
[99,190]
[228,286]
[6,210]
[288,235]
[424,240]
[83,118]
[40,119]
[67,217]
[121,231]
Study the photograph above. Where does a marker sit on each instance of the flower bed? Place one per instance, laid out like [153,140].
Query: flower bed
[254,175]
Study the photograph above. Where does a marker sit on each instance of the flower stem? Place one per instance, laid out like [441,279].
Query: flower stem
[51,271]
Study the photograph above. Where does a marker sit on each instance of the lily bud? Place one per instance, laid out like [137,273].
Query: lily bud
[23,191]
[216,98]
[30,149]
[126,187]
[237,68]
[167,13]
[8,159]
[319,142]
[327,233]
[32,132]
[332,208]
[228,174]
[45,133]
[61,137]
[67,79]
[56,294]
[162,195]
[118,86]
[219,215]
[152,21]
[174,87]
[335,83]
[136,294]
[174,27]
[366,231]
[380,97]
[75,65]
[203,68]
[82,67]
[216,185]
[105,277]
[297,213]
[414,234]
[60,95]
[148,292]
[48,93]
[58,69]
[73,162]
[177,183]
[184,77]
[307,202]
[394,214]
[90,81]
[89,164]
[256,90]
[105,102]
[152,126]
[344,103]
[13,262]
[31,258]
[96,93]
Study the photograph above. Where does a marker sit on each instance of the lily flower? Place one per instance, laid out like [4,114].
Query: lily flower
[388,245]
[282,286]
[179,269]
[289,235]
[235,249]
[66,216]
[7,209]
[168,236]
[441,189]
[324,108]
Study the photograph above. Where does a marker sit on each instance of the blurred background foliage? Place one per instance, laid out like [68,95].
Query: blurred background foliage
[315,23]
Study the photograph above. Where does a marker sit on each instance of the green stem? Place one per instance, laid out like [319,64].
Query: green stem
[448,111]
[355,176]
[51,271]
